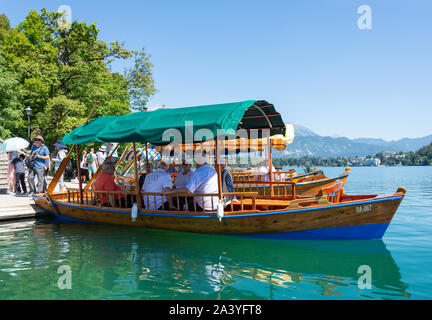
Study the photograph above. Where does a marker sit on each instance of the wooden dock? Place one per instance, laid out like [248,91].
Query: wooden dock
[13,207]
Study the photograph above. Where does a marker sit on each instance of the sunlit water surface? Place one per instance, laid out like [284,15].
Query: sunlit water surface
[110,262]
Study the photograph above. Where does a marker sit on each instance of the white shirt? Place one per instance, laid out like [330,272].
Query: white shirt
[183,179]
[263,172]
[100,157]
[204,180]
[61,154]
[156,182]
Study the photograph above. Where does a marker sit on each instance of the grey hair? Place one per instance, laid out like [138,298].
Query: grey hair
[106,165]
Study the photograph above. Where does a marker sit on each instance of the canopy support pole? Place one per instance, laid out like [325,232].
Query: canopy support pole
[79,174]
[218,170]
[270,166]
[137,189]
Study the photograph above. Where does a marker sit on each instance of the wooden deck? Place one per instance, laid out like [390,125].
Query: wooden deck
[12,208]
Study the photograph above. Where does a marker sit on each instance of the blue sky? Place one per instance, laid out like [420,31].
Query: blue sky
[309,58]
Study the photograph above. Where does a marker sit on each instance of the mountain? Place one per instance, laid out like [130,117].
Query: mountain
[308,143]
[301,131]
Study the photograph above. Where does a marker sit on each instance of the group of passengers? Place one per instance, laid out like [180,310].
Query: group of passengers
[203,180]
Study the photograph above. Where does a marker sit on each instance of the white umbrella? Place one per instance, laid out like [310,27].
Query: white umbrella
[14,144]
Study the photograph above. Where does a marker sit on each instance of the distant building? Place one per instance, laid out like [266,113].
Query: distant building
[387,154]
[374,162]
[357,161]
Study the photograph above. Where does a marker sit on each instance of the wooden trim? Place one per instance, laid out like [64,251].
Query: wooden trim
[79,173]
[88,185]
[266,106]
[59,172]
[269,115]
[218,170]
[270,165]
[137,190]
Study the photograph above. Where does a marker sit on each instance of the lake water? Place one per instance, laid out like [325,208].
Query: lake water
[110,262]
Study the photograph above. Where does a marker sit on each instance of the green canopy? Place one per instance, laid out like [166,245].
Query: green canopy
[150,126]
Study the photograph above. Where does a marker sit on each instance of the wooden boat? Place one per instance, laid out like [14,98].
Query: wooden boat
[308,184]
[331,214]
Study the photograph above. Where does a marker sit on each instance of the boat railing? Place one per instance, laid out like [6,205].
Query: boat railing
[280,188]
[254,176]
[333,192]
[234,201]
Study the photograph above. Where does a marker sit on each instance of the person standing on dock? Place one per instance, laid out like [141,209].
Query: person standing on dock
[101,155]
[18,162]
[91,161]
[84,167]
[11,172]
[61,154]
[39,153]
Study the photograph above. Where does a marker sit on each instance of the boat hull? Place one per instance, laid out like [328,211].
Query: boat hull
[356,219]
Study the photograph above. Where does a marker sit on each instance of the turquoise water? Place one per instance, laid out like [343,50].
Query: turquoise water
[110,262]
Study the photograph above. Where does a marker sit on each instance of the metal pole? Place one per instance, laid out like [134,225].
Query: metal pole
[28,127]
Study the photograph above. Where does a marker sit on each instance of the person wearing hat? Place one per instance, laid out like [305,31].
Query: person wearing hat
[61,154]
[39,154]
[101,155]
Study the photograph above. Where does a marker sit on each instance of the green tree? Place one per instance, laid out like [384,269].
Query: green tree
[51,68]
[4,23]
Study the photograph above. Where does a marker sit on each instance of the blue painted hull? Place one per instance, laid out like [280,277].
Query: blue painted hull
[359,232]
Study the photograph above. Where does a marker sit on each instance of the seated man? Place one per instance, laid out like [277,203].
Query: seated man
[158,181]
[105,182]
[184,176]
[180,182]
[149,169]
[227,183]
[204,180]
[279,176]
[263,171]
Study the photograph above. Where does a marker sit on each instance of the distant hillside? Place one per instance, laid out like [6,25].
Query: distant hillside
[308,143]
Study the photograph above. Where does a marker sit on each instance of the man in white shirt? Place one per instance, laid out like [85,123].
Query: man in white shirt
[158,181]
[204,180]
[184,176]
[263,171]
[181,182]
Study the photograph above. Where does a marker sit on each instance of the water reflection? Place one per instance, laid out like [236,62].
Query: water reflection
[110,262]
